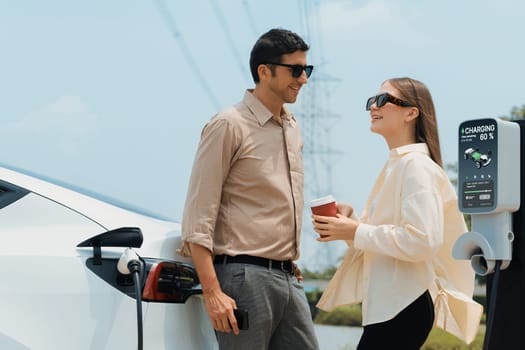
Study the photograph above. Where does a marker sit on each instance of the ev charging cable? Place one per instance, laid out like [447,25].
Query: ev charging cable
[129,263]
[492,306]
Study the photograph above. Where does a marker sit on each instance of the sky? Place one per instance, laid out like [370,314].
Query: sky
[112,95]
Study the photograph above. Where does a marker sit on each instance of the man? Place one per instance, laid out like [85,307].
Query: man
[243,211]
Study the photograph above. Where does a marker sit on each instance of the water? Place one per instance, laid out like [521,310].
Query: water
[337,337]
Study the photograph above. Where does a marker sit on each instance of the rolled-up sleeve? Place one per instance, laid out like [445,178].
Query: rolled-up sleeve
[419,232]
[212,163]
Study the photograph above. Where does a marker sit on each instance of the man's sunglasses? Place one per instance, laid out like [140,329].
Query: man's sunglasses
[296,69]
[381,100]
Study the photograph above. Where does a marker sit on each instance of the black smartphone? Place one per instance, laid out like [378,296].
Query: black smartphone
[242,318]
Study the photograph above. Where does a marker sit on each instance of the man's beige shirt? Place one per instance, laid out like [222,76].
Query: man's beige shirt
[246,189]
[403,246]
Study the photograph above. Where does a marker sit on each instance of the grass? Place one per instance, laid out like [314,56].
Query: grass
[441,340]
[438,339]
[341,316]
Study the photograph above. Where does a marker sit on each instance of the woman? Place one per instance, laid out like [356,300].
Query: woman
[399,263]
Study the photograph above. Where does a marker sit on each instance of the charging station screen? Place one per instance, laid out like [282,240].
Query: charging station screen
[477,194]
[477,170]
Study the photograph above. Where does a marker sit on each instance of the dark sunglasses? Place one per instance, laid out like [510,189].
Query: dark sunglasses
[381,100]
[296,69]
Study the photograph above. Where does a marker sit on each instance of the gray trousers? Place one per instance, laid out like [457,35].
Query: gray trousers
[278,312]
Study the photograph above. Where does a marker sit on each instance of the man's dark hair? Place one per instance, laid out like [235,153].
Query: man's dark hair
[271,46]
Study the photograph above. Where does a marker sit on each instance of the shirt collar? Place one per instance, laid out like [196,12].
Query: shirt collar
[261,113]
[413,147]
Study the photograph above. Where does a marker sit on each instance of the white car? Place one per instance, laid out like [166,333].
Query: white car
[60,285]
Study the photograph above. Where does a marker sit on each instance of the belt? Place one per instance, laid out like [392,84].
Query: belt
[283,265]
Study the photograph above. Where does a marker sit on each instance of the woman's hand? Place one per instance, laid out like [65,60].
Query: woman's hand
[345,209]
[333,229]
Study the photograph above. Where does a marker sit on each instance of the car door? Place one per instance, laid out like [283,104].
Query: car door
[48,298]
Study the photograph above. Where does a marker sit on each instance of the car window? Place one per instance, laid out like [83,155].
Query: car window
[10,193]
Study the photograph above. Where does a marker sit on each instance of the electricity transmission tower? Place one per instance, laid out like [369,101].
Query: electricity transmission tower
[312,109]
[317,121]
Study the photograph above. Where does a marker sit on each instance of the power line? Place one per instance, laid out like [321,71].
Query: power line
[169,20]
[229,38]
[251,19]
[314,109]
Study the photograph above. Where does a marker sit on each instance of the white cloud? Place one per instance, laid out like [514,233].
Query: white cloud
[339,15]
[61,123]
[68,114]
[376,20]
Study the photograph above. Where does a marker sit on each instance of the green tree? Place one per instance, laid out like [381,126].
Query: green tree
[516,113]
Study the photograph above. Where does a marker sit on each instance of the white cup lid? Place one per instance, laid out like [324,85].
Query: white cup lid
[322,201]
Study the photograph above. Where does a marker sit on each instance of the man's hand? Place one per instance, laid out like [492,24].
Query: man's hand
[297,272]
[219,307]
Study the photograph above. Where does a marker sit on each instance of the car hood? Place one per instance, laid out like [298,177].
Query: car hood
[162,238]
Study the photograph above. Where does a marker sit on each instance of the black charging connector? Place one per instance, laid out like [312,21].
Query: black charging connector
[135,267]
[492,306]
[129,263]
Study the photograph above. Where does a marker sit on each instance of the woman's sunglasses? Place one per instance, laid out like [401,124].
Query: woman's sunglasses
[381,100]
[296,69]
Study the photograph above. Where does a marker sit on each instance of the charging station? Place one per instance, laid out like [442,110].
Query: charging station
[489,190]
[490,163]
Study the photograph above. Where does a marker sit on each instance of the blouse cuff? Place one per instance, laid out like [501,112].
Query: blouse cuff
[361,234]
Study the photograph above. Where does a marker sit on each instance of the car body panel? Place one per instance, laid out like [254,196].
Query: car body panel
[51,300]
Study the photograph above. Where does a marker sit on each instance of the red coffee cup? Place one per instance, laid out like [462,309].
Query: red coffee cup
[324,206]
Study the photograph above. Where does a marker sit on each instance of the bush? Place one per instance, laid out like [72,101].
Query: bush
[438,339]
[341,316]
